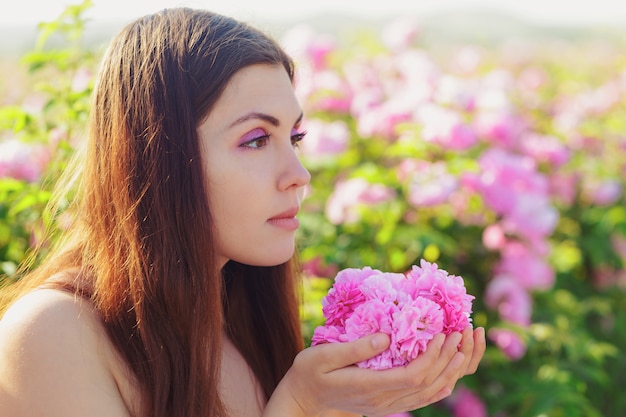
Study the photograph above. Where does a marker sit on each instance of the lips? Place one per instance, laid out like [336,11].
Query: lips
[286,220]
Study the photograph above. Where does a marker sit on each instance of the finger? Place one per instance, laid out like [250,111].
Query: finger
[467,348]
[340,355]
[427,362]
[429,365]
[449,377]
[447,352]
[440,388]
[406,379]
[443,393]
[480,345]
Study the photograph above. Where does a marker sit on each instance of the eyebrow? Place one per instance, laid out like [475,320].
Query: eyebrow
[262,116]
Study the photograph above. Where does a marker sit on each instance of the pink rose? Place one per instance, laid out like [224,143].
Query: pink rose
[446,290]
[328,334]
[414,325]
[345,295]
[411,308]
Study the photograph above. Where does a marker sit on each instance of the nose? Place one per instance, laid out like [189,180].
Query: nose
[294,174]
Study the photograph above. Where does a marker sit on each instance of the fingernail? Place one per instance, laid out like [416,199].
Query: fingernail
[380,342]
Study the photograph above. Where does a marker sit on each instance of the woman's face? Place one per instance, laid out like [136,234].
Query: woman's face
[255,179]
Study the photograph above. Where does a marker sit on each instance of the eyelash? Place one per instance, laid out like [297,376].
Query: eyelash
[297,137]
[295,140]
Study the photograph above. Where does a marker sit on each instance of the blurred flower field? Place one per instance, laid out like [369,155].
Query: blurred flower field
[504,164]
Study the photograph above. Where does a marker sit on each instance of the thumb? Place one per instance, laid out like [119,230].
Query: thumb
[349,353]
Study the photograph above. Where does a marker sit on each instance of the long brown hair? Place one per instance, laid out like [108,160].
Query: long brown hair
[142,242]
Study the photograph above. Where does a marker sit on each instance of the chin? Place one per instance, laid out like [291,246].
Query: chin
[270,258]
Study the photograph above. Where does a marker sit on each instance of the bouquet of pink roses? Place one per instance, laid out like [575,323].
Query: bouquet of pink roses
[411,308]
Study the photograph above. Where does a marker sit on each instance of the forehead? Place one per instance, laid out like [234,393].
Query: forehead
[257,88]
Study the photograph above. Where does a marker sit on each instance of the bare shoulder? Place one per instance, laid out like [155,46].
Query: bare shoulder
[55,359]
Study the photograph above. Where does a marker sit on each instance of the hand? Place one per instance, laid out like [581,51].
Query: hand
[324,377]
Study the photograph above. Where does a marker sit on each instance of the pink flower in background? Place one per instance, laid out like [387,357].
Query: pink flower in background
[510,299]
[618,242]
[325,138]
[445,127]
[532,78]
[22,161]
[563,187]
[589,145]
[317,268]
[528,267]
[494,237]
[81,80]
[417,69]
[34,104]
[329,92]
[498,79]
[545,148]
[533,217]
[429,183]
[509,342]
[410,308]
[499,127]
[365,100]
[511,185]
[468,59]
[465,403]
[601,192]
[381,121]
[306,45]
[607,277]
[455,92]
[365,83]
[400,34]
[503,175]
[342,205]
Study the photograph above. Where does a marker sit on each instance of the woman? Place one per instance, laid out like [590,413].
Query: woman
[173,293]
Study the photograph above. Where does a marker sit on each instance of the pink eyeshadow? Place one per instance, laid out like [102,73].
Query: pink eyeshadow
[253,134]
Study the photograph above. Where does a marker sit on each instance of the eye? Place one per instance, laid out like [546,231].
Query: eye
[296,137]
[255,139]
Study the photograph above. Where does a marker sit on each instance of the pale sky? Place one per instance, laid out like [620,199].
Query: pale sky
[30,12]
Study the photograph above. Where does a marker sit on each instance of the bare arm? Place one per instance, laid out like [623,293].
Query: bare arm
[54,360]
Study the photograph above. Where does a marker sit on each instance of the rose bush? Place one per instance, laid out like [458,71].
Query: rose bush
[503,162]
[39,126]
[506,163]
